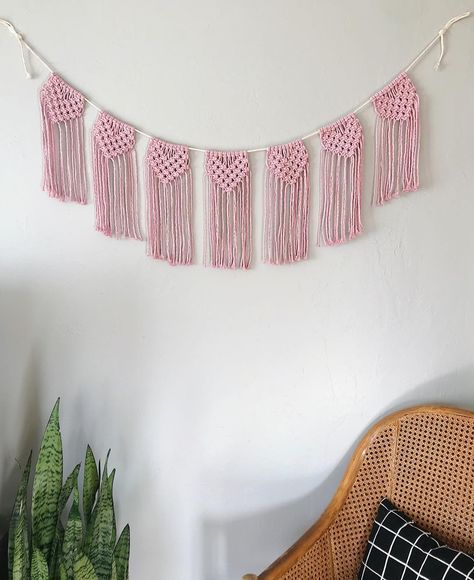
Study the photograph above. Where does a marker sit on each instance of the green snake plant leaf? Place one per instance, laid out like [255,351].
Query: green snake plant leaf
[83,569]
[114,571]
[72,543]
[91,484]
[47,485]
[122,554]
[112,478]
[101,547]
[56,549]
[93,516]
[39,567]
[20,564]
[61,573]
[19,511]
[110,482]
[66,490]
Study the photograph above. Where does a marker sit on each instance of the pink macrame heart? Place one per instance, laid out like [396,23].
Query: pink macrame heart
[167,160]
[288,161]
[342,137]
[112,136]
[62,101]
[227,169]
[397,99]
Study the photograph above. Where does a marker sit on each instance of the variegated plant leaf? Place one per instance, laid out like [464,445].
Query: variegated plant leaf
[61,573]
[101,548]
[47,485]
[91,485]
[56,546]
[91,524]
[19,510]
[56,549]
[110,481]
[39,567]
[122,554]
[114,571]
[20,564]
[93,516]
[72,544]
[83,569]
[67,488]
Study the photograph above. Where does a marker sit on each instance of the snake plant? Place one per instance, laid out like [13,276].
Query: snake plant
[45,543]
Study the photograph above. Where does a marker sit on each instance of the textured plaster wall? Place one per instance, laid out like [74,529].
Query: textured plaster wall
[231,400]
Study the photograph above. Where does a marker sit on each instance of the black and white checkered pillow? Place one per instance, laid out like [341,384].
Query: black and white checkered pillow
[398,549]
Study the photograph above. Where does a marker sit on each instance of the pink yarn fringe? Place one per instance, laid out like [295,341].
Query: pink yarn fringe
[115,178]
[64,166]
[397,140]
[286,204]
[340,181]
[169,202]
[228,210]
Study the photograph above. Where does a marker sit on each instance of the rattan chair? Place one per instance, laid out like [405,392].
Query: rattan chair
[422,459]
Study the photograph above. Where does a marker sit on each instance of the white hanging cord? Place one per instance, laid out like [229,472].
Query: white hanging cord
[438,38]
[21,44]
[443,31]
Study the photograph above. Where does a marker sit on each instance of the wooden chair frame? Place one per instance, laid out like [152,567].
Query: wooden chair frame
[313,535]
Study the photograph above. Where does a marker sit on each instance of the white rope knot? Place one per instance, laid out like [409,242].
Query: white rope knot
[19,38]
[443,31]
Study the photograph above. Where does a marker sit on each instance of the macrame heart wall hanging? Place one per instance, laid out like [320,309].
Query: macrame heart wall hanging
[64,165]
[228,212]
[228,194]
[169,202]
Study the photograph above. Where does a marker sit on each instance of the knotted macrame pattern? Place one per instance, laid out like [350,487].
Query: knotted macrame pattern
[115,178]
[397,139]
[340,181]
[228,211]
[64,166]
[286,203]
[169,202]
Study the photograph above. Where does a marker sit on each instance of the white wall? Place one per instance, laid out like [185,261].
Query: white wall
[231,400]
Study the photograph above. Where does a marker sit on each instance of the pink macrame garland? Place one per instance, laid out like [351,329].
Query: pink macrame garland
[228,191]
[340,181]
[228,210]
[169,202]
[64,166]
[286,203]
[397,139]
[115,178]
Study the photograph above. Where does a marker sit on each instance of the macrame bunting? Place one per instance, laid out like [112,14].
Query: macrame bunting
[115,178]
[286,203]
[64,166]
[397,139]
[228,211]
[340,181]
[169,202]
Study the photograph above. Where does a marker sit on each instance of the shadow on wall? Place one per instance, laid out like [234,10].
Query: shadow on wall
[15,337]
[251,543]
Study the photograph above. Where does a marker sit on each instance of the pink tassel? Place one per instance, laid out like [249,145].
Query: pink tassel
[286,204]
[340,181]
[169,202]
[228,211]
[62,113]
[397,139]
[115,178]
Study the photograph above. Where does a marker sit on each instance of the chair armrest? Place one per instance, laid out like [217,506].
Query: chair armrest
[307,558]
